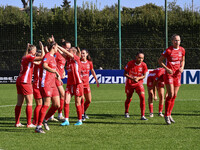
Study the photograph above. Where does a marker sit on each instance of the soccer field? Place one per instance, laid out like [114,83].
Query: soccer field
[107,128]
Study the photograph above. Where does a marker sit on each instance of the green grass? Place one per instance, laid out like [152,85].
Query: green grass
[107,128]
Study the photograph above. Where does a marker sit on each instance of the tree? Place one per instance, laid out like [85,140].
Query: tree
[66,4]
[25,4]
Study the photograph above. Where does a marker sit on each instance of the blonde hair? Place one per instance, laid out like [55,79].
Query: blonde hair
[49,40]
[31,47]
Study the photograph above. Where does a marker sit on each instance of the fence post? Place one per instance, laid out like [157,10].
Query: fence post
[31,21]
[166,26]
[119,18]
[75,21]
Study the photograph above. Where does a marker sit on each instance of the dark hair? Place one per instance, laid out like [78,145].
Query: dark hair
[31,47]
[50,45]
[39,52]
[63,42]
[139,52]
[173,36]
[88,56]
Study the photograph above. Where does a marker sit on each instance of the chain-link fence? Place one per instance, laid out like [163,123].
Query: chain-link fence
[143,28]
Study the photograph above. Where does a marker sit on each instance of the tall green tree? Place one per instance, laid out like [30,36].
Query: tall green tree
[66,4]
[25,3]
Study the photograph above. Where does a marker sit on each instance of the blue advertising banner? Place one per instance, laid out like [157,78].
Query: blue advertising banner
[189,76]
[116,77]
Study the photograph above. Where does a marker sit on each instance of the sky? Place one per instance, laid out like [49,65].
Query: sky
[102,3]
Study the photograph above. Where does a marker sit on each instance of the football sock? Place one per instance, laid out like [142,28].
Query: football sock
[29,114]
[82,105]
[36,113]
[142,104]
[17,113]
[127,104]
[66,110]
[160,108]
[167,105]
[79,112]
[51,111]
[86,105]
[61,106]
[172,104]
[42,114]
[151,108]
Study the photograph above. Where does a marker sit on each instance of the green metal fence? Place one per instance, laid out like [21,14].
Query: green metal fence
[112,34]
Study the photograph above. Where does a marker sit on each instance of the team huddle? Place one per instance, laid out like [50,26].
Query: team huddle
[48,65]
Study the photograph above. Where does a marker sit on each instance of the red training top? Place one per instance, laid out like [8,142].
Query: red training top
[74,70]
[135,70]
[48,78]
[174,58]
[156,73]
[86,67]
[26,70]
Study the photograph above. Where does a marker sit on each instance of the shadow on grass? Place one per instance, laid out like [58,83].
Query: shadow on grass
[195,128]
[14,129]
[185,114]
[106,116]
[7,124]
[124,120]
[124,123]
[10,121]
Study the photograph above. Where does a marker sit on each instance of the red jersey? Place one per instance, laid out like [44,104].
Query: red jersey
[36,72]
[174,58]
[26,70]
[135,70]
[156,73]
[85,71]
[74,70]
[48,78]
[60,62]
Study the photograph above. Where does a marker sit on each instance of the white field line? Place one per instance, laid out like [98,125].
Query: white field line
[122,101]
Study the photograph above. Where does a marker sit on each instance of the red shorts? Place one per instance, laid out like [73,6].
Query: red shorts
[76,90]
[36,93]
[170,79]
[149,82]
[24,88]
[49,91]
[86,89]
[138,87]
[58,83]
[160,83]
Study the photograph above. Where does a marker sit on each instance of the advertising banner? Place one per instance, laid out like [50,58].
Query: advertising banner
[189,76]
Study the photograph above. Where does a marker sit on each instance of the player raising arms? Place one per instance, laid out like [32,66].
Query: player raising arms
[24,85]
[87,66]
[36,88]
[60,60]
[60,63]
[175,57]
[135,72]
[48,87]
[74,84]
[155,79]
